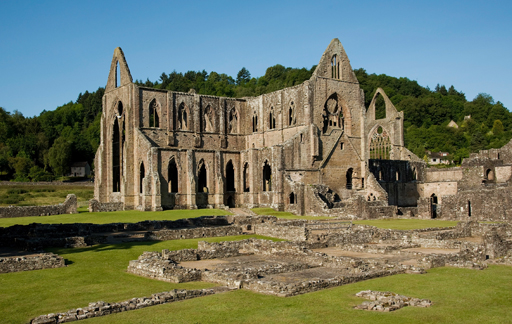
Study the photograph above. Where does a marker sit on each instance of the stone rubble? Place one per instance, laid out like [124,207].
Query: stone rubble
[388,301]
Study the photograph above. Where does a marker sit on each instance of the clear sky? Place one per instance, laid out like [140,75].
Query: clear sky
[53,50]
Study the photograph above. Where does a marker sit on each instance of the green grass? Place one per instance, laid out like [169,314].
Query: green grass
[127,216]
[285,215]
[94,273]
[405,224]
[459,296]
[35,195]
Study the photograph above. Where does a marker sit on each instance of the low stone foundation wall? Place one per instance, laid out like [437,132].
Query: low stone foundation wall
[284,230]
[188,233]
[96,206]
[37,262]
[387,301]
[101,308]
[68,207]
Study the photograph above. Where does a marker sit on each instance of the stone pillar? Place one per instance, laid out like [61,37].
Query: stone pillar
[278,177]
[191,183]
[218,177]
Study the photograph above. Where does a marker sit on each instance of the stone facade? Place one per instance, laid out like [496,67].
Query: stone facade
[68,207]
[162,149]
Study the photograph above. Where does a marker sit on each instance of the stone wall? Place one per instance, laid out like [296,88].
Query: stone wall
[96,206]
[101,308]
[68,207]
[188,233]
[283,230]
[36,262]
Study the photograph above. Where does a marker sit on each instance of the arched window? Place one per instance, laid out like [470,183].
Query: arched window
[469,208]
[254,122]
[292,198]
[291,114]
[246,177]
[141,177]
[335,67]
[119,108]
[202,179]
[207,120]
[332,114]
[154,120]
[182,121]
[433,205]
[173,176]
[116,158]
[230,177]
[267,177]
[271,119]
[349,178]
[397,175]
[380,144]
[233,122]
[380,107]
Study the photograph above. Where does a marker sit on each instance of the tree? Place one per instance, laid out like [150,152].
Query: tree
[60,156]
[243,76]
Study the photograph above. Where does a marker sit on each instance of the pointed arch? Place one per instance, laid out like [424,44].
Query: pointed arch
[172,176]
[154,112]
[230,177]
[116,157]
[202,178]
[271,119]
[142,175]
[246,177]
[335,67]
[183,115]
[207,121]
[119,74]
[233,121]
[349,178]
[380,143]
[292,198]
[267,177]
[333,114]
[119,108]
[254,122]
[291,114]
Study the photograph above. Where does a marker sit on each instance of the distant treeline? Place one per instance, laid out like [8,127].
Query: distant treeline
[43,147]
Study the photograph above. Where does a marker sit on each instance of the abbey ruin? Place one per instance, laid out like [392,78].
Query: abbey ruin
[312,149]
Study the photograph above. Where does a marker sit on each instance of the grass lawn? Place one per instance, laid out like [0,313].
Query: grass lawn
[34,195]
[459,296]
[94,273]
[127,216]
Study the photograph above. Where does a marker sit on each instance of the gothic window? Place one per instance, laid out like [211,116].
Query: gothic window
[116,158]
[182,117]
[254,122]
[349,178]
[292,198]
[154,108]
[333,114]
[267,177]
[380,144]
[291,114]
[173,176]
[233,121]
[335,67]
[119,109]
[246,177]
[202,179]
[141,177]
[230,177]
[207,122]
[380,107]
[272,119]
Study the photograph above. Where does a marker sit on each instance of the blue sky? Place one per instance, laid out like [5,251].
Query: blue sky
[53,50]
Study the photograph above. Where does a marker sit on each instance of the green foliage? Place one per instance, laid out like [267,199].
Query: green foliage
[71,133]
